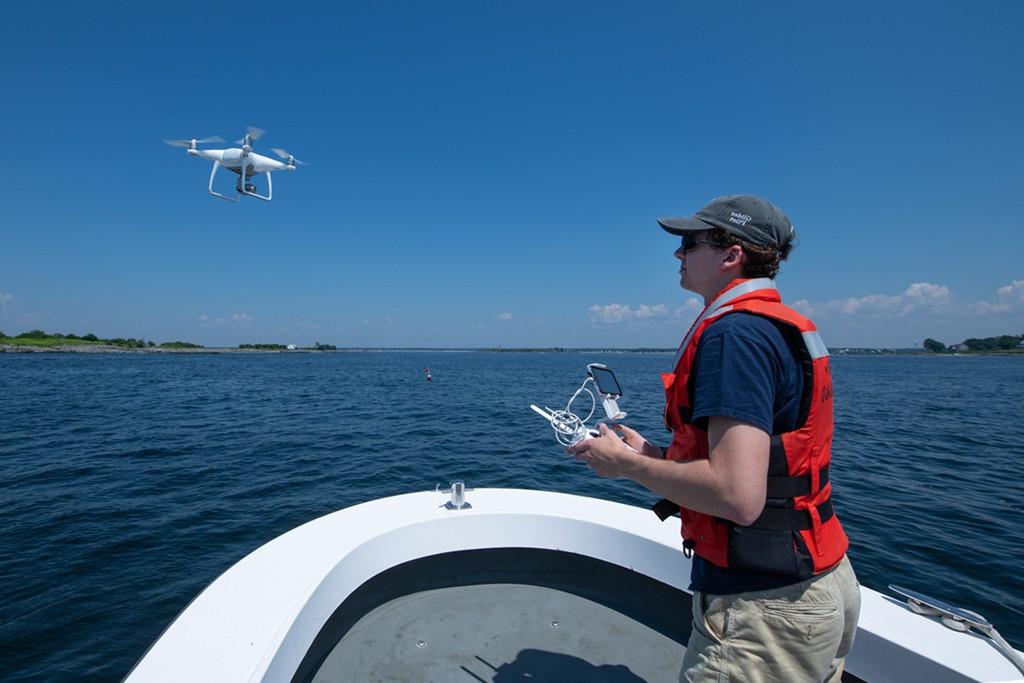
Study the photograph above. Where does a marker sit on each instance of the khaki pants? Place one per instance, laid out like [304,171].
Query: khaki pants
[795,634]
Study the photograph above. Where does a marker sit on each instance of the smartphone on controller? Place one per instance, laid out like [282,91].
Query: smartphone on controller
[605,380]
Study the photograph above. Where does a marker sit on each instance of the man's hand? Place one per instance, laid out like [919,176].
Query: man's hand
[608,455]
[638,443]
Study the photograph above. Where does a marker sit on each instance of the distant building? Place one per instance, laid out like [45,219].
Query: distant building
[291,347]
[961,347]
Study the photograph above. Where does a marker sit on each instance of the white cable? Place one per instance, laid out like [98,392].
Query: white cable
[569,428]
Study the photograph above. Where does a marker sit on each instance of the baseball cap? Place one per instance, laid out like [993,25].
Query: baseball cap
[750,218]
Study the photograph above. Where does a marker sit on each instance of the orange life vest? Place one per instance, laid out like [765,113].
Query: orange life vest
[798,532]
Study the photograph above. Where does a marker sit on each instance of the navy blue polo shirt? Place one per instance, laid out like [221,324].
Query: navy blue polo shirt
[746,370]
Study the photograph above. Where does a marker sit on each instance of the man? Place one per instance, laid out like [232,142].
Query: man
[749,404]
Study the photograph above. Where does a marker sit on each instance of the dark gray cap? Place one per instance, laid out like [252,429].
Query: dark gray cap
[748,217]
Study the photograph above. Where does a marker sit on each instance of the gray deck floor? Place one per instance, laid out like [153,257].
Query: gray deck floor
[499,633]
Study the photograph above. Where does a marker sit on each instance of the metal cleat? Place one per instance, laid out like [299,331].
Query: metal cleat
[457,489]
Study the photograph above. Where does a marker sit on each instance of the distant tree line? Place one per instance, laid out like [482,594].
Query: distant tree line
[180,345]
[1005,342]
[128,343]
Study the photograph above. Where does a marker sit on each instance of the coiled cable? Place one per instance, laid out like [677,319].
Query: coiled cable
[569,427]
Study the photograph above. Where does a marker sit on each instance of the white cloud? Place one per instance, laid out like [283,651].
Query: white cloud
[1012,293]
[644,311]
[689,310]
[505,316]
[5,300]
[612,313]
[918,297]
[242,318]
[925,295]
[1010,298]
[618,313]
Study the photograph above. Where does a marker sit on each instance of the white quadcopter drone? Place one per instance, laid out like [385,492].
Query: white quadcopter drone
[242,161]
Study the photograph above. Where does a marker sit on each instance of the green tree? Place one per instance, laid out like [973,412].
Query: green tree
[90,337]
[32,334]
[1002,343]
[1007,342]
[933,345]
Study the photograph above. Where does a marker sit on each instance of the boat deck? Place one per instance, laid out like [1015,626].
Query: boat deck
[554,616]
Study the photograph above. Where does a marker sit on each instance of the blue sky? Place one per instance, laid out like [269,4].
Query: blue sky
[486,174]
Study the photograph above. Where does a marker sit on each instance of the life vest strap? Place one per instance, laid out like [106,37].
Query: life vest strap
[774,519]
[665,508]
[779,519]
[791,487]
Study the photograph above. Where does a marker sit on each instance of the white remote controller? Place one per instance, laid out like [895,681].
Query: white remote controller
[582,433]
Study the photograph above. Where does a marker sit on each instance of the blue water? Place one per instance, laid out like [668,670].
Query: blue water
[132,481]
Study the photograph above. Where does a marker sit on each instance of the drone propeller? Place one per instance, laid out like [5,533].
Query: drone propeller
[285,155]
[191,143]
[253,134]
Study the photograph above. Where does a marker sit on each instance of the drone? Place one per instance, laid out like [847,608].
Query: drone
[242,161]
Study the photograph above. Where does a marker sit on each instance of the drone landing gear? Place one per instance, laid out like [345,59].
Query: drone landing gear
[216,165]
[242,187]
[250,189]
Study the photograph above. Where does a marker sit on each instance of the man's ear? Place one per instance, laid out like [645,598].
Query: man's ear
[734,255]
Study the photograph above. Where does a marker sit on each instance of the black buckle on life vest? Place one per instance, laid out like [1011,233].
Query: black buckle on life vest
[791,487]
[665,508]
[778,519]
[688,546]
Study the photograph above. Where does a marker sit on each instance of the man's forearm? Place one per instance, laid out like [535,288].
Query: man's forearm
[694,484]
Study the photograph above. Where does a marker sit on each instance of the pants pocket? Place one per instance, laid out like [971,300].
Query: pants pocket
[801,611]
[709,617]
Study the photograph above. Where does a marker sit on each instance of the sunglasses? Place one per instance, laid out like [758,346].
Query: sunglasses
[690,242]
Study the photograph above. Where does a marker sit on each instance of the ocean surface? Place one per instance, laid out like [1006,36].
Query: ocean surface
[130,482]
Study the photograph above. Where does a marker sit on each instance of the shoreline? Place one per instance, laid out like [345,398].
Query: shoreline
[107,348]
